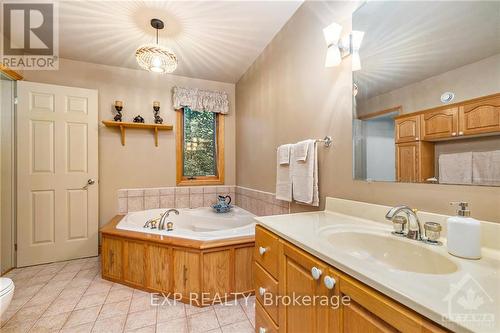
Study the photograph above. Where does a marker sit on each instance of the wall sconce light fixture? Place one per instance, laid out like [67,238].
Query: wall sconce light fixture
[339,48]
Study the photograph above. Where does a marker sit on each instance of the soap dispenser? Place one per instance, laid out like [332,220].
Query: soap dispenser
[464,234]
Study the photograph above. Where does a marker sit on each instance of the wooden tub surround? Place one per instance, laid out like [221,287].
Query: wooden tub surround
[192,271]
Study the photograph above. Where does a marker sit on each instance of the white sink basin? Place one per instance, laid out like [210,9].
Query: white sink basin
[391,251]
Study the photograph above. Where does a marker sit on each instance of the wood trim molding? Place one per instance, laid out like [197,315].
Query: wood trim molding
[10,73]
[370,115]
[207,180]
[449,106]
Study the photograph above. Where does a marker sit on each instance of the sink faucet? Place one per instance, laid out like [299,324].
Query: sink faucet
[414,225]
[163,219]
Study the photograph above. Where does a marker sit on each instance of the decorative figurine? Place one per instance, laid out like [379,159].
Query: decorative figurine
[118,108]
[156,108]
[138,119]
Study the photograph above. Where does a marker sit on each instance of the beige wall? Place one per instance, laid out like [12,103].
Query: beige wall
[288,95]
[139,163]
[474,80]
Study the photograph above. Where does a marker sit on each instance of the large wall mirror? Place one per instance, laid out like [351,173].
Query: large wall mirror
[427,95]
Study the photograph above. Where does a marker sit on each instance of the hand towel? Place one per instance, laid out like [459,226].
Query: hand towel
[283,174]
[304,171]
[455,168]
[301,149]
[284,154]
[486,168]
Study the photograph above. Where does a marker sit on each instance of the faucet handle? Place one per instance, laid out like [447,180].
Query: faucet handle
[432,232]
[399,223]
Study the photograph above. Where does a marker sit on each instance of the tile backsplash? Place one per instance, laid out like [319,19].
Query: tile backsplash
[258,202]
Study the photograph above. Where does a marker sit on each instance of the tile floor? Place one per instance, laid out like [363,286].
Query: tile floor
[71,297]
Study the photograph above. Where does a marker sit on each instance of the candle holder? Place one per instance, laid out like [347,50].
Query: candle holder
[118,108]
[156,111]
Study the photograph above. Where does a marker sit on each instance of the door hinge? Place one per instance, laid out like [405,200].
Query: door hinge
[15,247]
[16,100]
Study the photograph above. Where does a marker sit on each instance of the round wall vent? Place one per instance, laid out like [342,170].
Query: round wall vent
[447,97]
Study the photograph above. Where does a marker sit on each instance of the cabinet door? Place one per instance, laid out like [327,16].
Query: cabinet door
[134,257]
[297,281]
[159,268]
[370,311]
[186,272]
[407,162]
[439,124]
[111,258]
[216,277]
[407,129]
[480,117]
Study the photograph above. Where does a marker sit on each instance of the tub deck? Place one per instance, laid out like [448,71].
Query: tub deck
[193,271]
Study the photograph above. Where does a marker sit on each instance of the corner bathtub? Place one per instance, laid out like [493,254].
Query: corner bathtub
[201,224]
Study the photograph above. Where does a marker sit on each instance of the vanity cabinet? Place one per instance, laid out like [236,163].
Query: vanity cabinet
[439,124]
[407,129]
[414,161]
[481,116]
[359,309]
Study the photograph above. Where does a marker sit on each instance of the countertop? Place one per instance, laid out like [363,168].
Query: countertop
[434,296]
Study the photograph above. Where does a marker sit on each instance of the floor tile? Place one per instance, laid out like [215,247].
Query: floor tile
[110,325]
[119,295]
[51,323]
[114,309]
[61,305]
[229,313]
[170,311]
[147,329]
[179,325]
[140,319]
[18,326]
[240,327]
[82,316]
[142,303]
[84,328]
[202,322]
[91,300]
[29,313]
[191,309]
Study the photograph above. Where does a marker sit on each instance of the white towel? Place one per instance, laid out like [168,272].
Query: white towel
[284,154]
[455,168]
[486,168]
[283,174]
[300,150]
[304,171]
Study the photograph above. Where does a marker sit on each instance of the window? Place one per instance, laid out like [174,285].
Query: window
[200,147]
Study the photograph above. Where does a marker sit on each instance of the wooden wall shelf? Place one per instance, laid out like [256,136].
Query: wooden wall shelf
[123,125]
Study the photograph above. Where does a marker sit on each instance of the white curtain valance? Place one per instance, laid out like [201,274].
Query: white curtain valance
[200,100]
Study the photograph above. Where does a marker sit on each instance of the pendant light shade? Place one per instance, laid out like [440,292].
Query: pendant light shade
[154,57]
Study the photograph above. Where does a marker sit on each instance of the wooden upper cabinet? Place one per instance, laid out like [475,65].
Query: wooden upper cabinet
[408,129]
[439,124]
[480,116]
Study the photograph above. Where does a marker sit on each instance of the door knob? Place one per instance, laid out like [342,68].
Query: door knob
[316,273]
[329,282]
[90,181]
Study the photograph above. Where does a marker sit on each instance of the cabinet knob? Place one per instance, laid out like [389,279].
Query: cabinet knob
[454,134]
[262,291]
[262,330]
[262,250]
[329,282]
[416,139]
[316,273]
[460,133]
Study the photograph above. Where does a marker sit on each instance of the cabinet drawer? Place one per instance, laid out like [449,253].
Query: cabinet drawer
[263,323]
[266,250]
[264,280]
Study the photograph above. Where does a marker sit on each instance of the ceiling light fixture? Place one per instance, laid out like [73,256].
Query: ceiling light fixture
[154,57]
[340,48]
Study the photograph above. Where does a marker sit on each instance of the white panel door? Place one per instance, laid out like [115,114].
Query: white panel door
[57,210]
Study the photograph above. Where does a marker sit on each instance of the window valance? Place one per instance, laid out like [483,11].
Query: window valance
[200,100]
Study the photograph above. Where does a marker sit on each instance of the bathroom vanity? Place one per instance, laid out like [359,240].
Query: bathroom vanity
[383,283]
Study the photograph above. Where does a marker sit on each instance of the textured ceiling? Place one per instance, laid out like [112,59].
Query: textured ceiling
[213,40]
[407,42]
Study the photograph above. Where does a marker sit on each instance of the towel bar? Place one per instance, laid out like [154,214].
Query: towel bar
[327,141]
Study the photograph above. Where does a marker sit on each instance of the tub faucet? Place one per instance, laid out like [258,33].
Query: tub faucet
[163,219]
[414,225]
